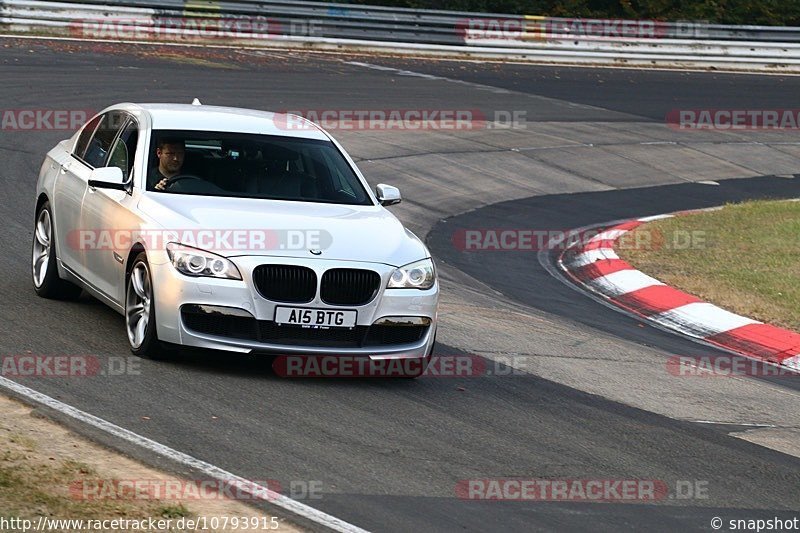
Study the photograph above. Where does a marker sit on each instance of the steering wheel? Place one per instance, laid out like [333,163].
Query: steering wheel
[175,179]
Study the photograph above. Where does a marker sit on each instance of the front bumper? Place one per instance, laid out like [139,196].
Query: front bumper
[176,294]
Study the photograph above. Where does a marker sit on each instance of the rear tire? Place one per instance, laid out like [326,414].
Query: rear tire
[44,260]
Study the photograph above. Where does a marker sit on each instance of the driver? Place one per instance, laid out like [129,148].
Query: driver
[170,153]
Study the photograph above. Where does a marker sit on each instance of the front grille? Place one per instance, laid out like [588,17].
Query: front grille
[349,286]
[249,329]
[285,283]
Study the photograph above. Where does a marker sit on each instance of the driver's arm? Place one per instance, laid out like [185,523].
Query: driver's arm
[161,185]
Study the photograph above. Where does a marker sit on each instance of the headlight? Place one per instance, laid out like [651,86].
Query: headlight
[195,262]
[419,275]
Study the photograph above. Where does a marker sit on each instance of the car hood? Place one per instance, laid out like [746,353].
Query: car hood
[247,226]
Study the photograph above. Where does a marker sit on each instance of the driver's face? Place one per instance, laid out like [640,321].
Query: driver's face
[170,157]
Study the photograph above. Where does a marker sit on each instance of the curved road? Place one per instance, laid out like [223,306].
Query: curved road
[590,399]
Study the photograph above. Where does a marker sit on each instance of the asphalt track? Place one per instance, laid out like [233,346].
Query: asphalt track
[389,454]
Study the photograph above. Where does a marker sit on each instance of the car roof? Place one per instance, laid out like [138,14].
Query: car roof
[229,119]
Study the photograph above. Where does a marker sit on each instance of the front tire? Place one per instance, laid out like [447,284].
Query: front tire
[44,261]
[140,311]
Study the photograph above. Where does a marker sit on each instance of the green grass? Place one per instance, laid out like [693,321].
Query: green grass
[173,511]
[744,257]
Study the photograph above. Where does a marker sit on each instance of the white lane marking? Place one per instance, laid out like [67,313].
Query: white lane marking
[792,362]
[607,235]
[401,72]
[654,217]
[708,182]
[591,256]
[702,318]
[622,282]
[748,424]
[254,489]
[479,86]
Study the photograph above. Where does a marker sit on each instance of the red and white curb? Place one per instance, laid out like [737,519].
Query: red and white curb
[595,265]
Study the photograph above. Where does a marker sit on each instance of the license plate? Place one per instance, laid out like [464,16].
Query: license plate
[323,318]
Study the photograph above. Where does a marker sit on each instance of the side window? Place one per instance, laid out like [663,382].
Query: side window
[100,144]
[124,149]
[86,134]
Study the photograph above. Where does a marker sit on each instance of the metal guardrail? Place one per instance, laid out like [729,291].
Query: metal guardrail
[335,26]
[336,14]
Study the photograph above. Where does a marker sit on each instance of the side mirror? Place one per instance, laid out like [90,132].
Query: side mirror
[107,178]
[387,195]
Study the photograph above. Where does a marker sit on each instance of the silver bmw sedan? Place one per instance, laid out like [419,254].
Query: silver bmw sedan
[231,229]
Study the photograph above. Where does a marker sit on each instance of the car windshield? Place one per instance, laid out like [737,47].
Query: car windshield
[251,166]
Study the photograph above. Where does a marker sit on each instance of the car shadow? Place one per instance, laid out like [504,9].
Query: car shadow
[261,365]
